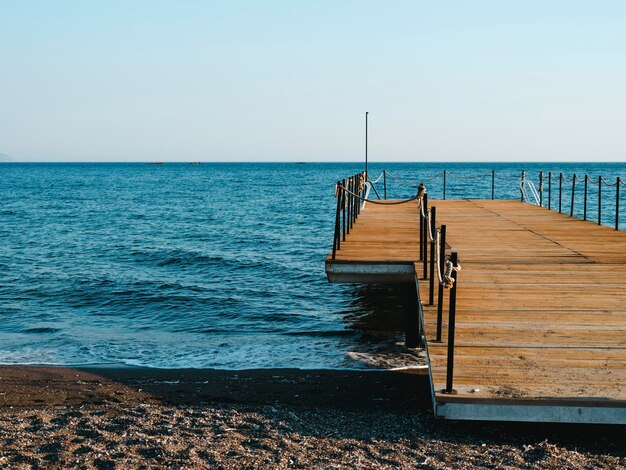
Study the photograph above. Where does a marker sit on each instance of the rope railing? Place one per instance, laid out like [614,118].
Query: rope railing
[566,195]
[598,182]
[440,269]
[444,271]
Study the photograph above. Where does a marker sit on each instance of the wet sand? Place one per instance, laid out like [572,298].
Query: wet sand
[129,417]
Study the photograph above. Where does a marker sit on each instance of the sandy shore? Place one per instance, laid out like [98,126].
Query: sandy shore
[126,418]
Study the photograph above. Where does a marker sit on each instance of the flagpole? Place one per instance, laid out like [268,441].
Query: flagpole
[366,113]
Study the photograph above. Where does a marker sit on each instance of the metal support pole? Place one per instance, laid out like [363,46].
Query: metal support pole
[560,190]
[549,190]
[445,173]
[385,182]
[358,191]
[600,200]
[521,186]
[425,243]
[433,228]
[493,184]
[343,209]
[411,316]
[336,237]
[419,216]
[351,201]
[571,210]
[442,266]
[617,184]
[585,198]
[451,327]
[366,114]
[541,189]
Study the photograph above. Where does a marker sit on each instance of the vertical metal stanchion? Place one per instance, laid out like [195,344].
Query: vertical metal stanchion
[425,254]
[451,327]
[521,186]
[599,200]
[560,190]
[385,182]
[433,228]
[351,188]
[617,184]
[343,208]
[571,211]
[585,198]
[419,216]
[549,190]
[358,191]
[541,189]
[336,235]
[445,173]
[442,267]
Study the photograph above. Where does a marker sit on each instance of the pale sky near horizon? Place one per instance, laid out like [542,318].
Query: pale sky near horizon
[291,80]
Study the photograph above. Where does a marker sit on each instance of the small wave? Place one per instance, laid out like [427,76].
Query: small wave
[323,334]
[392,360]
[41,330]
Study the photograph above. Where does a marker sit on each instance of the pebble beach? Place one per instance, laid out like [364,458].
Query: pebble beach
[143,418]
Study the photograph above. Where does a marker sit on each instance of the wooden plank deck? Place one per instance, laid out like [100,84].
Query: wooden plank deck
[541,307]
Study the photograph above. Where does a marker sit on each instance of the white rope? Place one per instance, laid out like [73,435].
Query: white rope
[448,280]
[374,201]
[438,255]
[430,225]
[367,193]
[377,179]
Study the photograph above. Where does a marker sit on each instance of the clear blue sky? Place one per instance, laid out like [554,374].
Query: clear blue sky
[291,80]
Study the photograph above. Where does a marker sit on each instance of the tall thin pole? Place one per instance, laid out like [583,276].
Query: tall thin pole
[599,200]
[451,327]
[618,182]
[366,113]
[585,198]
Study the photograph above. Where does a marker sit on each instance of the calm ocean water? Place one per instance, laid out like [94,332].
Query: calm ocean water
[212,265]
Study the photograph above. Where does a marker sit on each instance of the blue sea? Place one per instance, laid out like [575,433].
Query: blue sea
[214,265]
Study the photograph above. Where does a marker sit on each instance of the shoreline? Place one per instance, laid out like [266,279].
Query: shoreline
[23,386]
[125,417]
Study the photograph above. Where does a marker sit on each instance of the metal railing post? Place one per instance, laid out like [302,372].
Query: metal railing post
[617,184]
[343,210]
[385,182]
[433,228]
[521,186]
[419,216]
[571,211]
[541,189]
[442,267]
[445,173]
[549,190]
[493,184]
[585,198]
[358,191]
[336,237]
[451,327]
[560,191]
[599,200]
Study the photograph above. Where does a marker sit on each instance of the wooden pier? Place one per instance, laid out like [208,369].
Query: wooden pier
[540,318]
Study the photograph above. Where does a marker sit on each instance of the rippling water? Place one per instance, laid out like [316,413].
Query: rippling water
[212,265]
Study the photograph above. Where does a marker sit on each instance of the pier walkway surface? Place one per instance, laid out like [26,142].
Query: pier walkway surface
[540,306]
